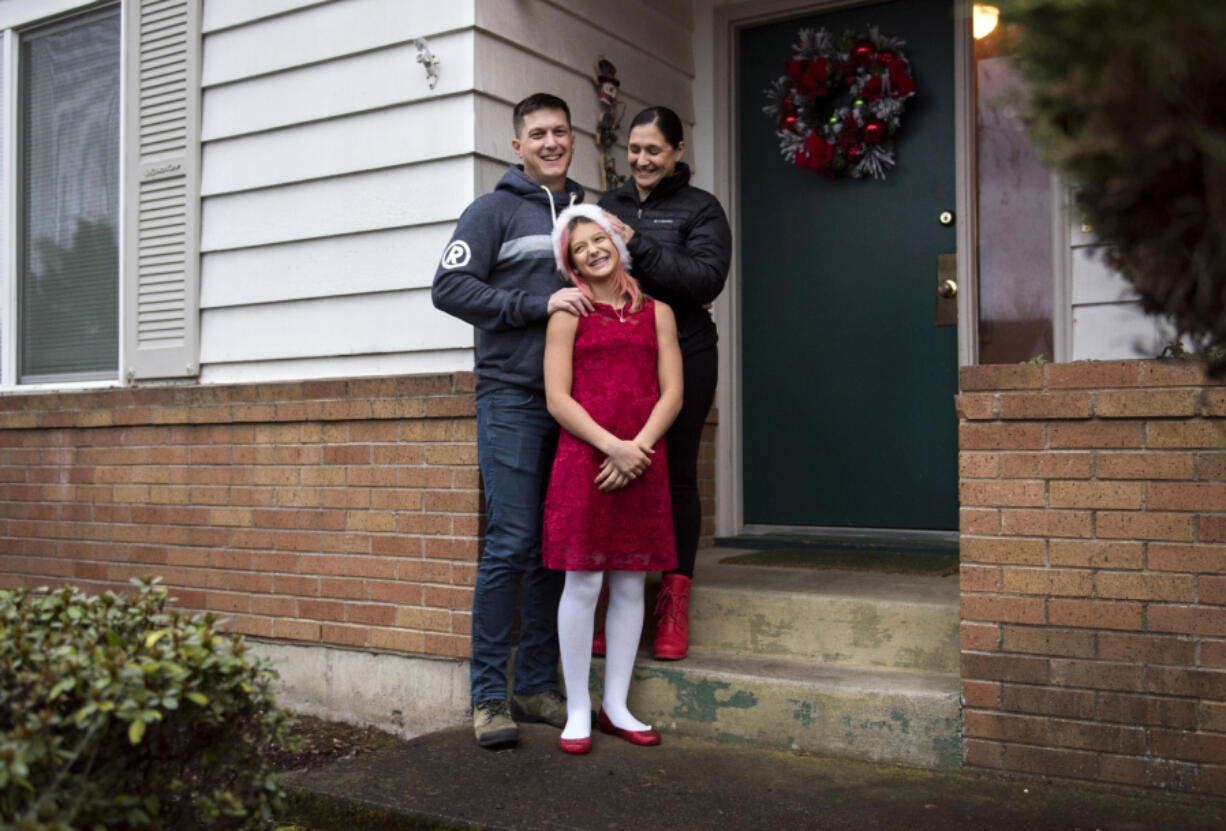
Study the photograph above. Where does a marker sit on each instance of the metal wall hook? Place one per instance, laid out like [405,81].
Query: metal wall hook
[427,59]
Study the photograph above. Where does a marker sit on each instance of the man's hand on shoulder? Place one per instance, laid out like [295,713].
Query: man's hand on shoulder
[570,300]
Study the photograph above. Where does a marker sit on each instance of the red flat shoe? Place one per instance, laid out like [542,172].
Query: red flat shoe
[640,737]
[576,747]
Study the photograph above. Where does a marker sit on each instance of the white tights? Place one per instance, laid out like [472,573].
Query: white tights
[623,627]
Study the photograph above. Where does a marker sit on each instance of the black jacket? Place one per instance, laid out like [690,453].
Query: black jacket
[682,248]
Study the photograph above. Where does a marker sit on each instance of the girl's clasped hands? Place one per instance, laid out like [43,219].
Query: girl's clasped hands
[626,462]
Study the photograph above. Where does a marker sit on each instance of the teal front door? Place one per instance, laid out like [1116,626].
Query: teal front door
[847,380]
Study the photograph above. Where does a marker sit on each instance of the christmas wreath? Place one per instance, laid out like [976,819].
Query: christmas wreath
[836,135]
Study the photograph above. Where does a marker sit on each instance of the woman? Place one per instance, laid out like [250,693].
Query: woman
[679,239]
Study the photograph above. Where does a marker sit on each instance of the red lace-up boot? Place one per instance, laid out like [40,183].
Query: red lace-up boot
[673,618]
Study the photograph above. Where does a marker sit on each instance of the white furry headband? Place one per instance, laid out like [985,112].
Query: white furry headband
[594,214]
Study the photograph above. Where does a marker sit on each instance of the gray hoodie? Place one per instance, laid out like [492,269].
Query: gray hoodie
[497,273]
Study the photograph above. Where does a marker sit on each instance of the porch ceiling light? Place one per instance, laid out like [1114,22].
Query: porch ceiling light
[983,20]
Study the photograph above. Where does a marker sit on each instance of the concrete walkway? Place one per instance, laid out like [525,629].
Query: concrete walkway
[444,780]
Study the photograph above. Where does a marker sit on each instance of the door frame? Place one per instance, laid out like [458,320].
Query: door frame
[729,20]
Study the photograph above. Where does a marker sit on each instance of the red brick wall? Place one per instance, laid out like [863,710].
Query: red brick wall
[341,512]
[1093,527]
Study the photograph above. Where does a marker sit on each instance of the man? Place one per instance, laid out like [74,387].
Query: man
[497,273]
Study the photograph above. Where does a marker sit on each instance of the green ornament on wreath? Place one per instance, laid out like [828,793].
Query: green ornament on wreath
[841,103]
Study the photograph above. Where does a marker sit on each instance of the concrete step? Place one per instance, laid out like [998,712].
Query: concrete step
[904,717]
[857,664]
[856,619]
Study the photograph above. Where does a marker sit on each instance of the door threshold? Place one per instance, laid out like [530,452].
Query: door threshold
[774,535]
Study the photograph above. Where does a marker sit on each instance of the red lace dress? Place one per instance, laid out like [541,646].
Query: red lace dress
[616,381]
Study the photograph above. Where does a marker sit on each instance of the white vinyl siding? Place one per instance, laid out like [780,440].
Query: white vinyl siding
[222,14]
[315,92]
[383,138]
[357,263]
[357,324]
[321,32]
[330,175]
[332,179]
[343,366]
[1107,320]
[533,45]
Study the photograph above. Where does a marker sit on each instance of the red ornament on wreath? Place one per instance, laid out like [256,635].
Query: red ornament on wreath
[839,107]
[863,53]
[787,121]
[874,131]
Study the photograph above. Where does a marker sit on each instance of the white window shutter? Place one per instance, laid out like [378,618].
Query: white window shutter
[161,195]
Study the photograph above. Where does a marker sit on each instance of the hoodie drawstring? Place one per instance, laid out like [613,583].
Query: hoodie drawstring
[553,211]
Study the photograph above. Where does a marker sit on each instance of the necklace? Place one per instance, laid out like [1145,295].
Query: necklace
[617,310]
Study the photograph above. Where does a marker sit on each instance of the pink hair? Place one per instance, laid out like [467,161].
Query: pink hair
[625,284]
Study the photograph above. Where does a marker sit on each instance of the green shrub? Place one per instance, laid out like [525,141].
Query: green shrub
[115,713]
[1127,99]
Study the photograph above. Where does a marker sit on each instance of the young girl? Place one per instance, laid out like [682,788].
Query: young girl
[613,381]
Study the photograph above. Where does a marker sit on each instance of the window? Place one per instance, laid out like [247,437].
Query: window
[1017,214]
[99,191]
[68,199]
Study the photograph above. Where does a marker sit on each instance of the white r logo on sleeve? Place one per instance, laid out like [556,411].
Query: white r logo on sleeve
[457,254]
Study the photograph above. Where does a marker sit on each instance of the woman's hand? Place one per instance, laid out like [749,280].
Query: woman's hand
[620,228]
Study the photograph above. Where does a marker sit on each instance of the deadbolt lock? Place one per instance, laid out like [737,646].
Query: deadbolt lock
[946,218]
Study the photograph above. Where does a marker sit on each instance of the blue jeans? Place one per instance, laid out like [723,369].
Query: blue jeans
[516,441]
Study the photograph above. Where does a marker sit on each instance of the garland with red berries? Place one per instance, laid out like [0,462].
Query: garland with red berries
[835,136]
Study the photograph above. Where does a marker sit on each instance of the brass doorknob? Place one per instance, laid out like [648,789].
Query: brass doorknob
[948,289]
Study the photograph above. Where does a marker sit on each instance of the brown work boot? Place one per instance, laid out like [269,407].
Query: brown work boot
[492,724]
[548,707]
